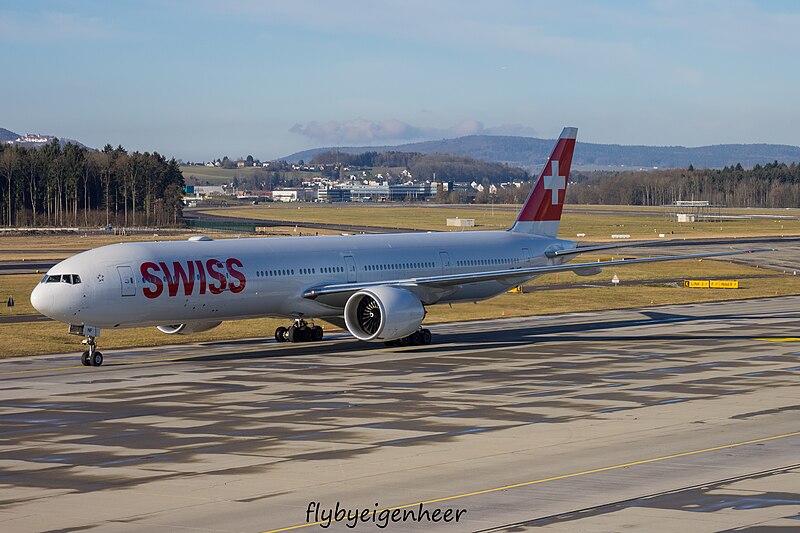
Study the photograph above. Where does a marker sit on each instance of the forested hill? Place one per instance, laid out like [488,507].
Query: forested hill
[7,135]
[529,151]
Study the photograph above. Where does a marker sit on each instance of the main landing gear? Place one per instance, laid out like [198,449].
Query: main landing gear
[91,357]
[300,331]
[418,338]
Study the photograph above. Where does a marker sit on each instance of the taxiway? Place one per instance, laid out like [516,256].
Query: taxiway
[663,419]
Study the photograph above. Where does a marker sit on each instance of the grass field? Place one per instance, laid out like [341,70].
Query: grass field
[596,227]
[59,246]
[658,210]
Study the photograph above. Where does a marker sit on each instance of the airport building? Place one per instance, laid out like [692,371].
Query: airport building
[294,195]
[377,193]
[334,194]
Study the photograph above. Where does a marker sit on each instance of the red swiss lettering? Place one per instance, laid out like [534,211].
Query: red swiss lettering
[202,272]
[213,267]
[237,287]
[148,270]
[180,276]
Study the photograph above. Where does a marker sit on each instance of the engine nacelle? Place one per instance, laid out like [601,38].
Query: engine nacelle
[383,314]
[189,327]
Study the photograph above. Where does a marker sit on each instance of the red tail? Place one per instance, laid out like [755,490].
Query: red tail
[541,213]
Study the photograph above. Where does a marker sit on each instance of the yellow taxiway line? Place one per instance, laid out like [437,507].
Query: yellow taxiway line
[556,478]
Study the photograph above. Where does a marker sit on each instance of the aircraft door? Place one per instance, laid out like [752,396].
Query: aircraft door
[126,279]
[526,257]
[350,266]
[445,262]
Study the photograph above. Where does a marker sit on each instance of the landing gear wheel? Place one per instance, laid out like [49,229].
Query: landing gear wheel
[91,357]
[280,334]
[415,339]
[426,336]
[316,333]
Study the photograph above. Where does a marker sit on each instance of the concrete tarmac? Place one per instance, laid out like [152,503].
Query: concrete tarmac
[671,418]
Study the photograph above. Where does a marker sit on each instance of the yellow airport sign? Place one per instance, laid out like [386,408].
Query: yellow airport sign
[711,283]
[516,289]
[724,283]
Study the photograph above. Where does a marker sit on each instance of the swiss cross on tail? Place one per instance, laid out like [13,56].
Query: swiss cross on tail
[541,213]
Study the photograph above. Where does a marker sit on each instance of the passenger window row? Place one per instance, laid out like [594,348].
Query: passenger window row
[400,266]
[300,271]
[484,262]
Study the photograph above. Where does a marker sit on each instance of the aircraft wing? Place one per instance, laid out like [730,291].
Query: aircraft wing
[609,246]
[511,276]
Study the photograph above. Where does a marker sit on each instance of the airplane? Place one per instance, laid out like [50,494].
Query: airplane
[377,287]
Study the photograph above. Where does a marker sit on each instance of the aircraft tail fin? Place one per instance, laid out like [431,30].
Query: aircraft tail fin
[541,213]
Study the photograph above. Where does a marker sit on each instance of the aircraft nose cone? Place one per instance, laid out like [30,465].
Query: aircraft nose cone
[42,300]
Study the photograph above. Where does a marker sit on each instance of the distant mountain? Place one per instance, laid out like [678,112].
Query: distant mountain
[6,135]
[531,152]
[33,140]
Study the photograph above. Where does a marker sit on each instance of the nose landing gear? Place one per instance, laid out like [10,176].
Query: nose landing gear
[300,331]
[91,357]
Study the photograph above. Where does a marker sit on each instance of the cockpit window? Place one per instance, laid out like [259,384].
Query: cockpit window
[72,279]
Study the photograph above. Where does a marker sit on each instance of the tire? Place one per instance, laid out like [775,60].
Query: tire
[280,334]
[415,338]
[426,336]
[316,333]
[97,359]
[85,359]
[405,341]
[292,334]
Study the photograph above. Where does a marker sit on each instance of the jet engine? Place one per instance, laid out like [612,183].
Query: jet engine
[189,327]
[383,314]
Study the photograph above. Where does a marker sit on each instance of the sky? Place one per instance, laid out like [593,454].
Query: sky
[198,80]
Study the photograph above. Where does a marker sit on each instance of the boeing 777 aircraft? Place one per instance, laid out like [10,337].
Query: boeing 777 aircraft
[375,286]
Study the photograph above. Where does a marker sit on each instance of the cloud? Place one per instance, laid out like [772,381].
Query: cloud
[362,131]
[357,131]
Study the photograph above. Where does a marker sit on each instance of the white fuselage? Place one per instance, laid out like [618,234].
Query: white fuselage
[149,284]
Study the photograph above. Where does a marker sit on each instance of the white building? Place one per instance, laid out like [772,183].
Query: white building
[294,195]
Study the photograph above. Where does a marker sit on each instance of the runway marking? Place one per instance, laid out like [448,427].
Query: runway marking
[556,478]
[778,339]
